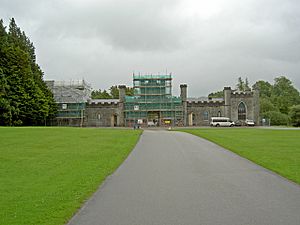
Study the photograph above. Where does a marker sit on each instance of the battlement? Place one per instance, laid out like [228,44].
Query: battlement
[104,102]
[241,94]
[205,101]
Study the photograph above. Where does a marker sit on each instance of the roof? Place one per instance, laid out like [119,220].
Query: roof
[69,91]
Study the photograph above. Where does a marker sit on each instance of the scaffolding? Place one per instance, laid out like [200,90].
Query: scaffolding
[71,97]
[153,103]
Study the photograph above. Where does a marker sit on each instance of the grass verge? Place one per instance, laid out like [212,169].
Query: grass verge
[47,173]
[276,150]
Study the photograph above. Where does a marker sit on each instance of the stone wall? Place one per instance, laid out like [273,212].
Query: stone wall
[199,109]
[110,112]
[228,107]
[102,114]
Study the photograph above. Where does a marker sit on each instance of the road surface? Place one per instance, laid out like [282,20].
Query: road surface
[174,178]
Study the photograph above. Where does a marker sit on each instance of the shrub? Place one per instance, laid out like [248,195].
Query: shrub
[295,115]
[277,118]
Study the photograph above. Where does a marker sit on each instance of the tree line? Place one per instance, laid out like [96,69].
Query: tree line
[279,102]
[112,93]
[24,97]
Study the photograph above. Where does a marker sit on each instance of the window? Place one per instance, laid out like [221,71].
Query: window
[205,116]
[64,106]
[241,111]
[219,114]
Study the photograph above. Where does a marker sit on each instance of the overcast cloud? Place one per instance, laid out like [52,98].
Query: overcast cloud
[206,44]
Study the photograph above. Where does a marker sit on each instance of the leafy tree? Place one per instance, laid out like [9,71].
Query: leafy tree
[277,99]
[243,85]
[264,87]
[247,87]
[218,94]
[98,94]
[284,95]
[277,118]
[105,94]
[240,85]
[129,91]
[266,105]
[295,115]
[113,93]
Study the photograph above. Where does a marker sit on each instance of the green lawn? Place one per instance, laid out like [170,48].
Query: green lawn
[277,150]
[47,173]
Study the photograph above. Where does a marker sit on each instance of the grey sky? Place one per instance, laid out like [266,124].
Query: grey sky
[206,44]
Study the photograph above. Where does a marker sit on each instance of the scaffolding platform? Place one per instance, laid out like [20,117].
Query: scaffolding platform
[153,103]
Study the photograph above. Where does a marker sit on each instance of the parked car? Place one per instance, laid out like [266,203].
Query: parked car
[151,124]
[221,122]
[238,123]
[249,122]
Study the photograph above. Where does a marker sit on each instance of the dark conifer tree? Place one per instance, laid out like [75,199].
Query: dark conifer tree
[24,96]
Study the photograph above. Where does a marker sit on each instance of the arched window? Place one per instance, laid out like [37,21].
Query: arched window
[242,111]
[219,114]
[205,116]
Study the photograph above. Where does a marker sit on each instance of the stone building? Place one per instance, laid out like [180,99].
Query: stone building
[154,105]
[235,105]
[103,113]
[71,98]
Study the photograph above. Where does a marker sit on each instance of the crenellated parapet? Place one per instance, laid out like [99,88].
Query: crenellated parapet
[104,102]
[205,102]
[242,94]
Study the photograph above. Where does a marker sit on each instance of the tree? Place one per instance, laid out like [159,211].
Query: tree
[25,98]
[246,87]
[284,95]
[129,91]
[240,85]
[98,94]
[5,108]
[277,118]
[295,115]
[243,85]
[266,105]
[114,92]
[218,94]
[264,87]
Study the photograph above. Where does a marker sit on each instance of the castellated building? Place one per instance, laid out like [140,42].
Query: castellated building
[151,105]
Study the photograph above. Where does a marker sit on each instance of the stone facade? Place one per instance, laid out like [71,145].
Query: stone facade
[103,113]
[251,101]
[235,105]
[196,111]
[199,111]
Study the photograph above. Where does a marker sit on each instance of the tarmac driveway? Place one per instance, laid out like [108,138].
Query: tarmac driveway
[174,178]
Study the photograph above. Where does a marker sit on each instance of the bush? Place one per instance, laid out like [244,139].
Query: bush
[277,118]
[295,115]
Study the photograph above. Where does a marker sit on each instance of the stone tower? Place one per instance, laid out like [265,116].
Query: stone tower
[227,99]
[256,106]
[122,92]
[183,95]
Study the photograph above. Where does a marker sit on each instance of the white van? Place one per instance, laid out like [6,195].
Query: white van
[221,122]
